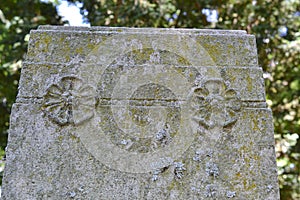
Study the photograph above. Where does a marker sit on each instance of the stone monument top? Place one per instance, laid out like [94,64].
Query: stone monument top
[140,113]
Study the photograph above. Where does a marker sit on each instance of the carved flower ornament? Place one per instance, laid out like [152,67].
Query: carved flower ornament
[69,101]
[215,105]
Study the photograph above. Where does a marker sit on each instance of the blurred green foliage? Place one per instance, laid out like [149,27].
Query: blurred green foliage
[17,18]
[275,23]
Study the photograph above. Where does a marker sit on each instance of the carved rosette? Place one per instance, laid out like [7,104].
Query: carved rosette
[215,105]
[69,101]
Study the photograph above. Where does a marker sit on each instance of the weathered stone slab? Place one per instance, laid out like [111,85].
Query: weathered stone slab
[247,81]
[224,47]
[123,113]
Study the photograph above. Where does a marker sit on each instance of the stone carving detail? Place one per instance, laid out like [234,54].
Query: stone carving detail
[69,101]
[156,174]
[212,169]
[210,191]
[215,108]
[214,104]
[143,107]
[163,135]
[179,169]
[230,194]
[159,167]
[197,156]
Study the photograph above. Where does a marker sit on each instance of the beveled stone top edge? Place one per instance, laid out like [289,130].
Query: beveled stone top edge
[141,30]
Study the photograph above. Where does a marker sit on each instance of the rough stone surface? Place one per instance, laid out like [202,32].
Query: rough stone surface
[122,113]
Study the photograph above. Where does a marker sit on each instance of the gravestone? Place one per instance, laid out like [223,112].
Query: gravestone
[124,113]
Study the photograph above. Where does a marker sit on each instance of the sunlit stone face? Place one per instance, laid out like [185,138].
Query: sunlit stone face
[120,113]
